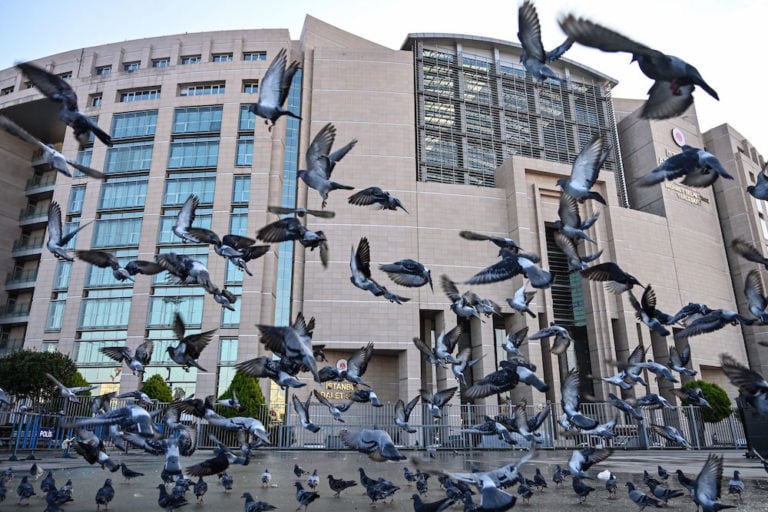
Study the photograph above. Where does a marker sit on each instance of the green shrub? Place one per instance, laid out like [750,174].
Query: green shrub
[250,396]
[156,387]
[23,374]
[717,398]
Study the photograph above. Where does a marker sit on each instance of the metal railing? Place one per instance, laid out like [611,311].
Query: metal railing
[32,211]
[15,310]
[27,243]
[21,276]
[48,180]
[42,427]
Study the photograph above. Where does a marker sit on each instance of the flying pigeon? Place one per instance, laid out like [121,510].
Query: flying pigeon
[273,90]
[706,488]
[571,402]
[463,362]
[403,413]
[674,79]
[321,162]
[582,460]
[134,360]
[408,273]
[585,171]
[679,360]
[755,294]
[700,168]
[512,343]
[70,393]
[58,90]
[360,265]
[375,443]
[500,241]
[302,410]
[57,241]
[533,56]
[752,385]
[749,252]
[624,405]
[293,342]
[459,302]
[378,197]
[190,346]
[569,222]
[105,259]
[562,341]
[575,261]
[617,281]
[335,410]
[712,321]
[291,228]
[521,299]
[671,434]
[436,401]
[301,212]
[512,264]
[760,189]
[645,311]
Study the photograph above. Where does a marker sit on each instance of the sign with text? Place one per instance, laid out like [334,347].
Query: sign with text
[338,390]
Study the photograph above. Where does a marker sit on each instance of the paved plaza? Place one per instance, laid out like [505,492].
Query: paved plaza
[142,493]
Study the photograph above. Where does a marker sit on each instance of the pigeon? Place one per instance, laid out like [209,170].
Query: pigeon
[585,171]
[304,498]
[58,90]
[36,471]
[562,340]
[104,495]
[533,56]
[617,280]
[712,321]
[653,401]
[302,410]
[674,79]
[183,226]
[582,460]
[128,473]
[693,396]
[753,291]
[301,212]
[749,252]
[569,222]
[265,366]
[581,489]
[706,488]
[208,467]
[136,395]
[266,478]
[736,486]
[291,228]
[521,299]
[760,189]
[321,162]
[559,475]
[408,273]
[293,342]
[645,311]
[364,396]
[661,371]
[611,485]
[238,250]
[463,362]
[641,499]
[375,443]
[618,380]
[436,401]
[539,480]
[105,259]
[376,196]
[231,403]
[360,265]
[169,502]
[186,270]
[576,262]
[699,167]
[251,505]
[527,427]
[190,346]
[671,433]
[504,379]
[57,242]
[403,412]
[49,153]
[338,485]
[335,410]
[226,481]
[679,360]
[134,360]
[485,306]
[380,491]
[25,490]
[460,303]
[273,90]
[624,405]
[313,480]
[663,473]
[299,471]
[512,264]
[491,427]
[752,385]
[434,506]
[48,483]
[500,241]
[92,449]
[513,341]
[70,393]
[664,493]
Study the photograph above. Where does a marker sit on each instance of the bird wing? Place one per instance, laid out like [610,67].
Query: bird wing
[148,268]
[322,399]
[518,338]
[271,83]
[69,236]
[186,215]
[54,87]
[289,228]
[362,258]
[179,328]
[450,339]
[217,464]
[358,363]
[101,259]
[443,396]
[197,342]
[637,356]
[566,244]
[238,242]
[710,478]
[674,357]
[593,456]
[558,52]
[204,236]
[118,354]
[88,171]
[666,100]
[742,377]
[504,269]
[17,131]
[707,323]
[593,35]
[529,31]
[570,392]
[298,406]
[449,287]
[319,150]
[340,153]
[685,355]
[600,272]
[423,348]
[649,301]
[54,222]
[56,382]
[411,405]
[635,305]
[586,167]
[256,367]
[273,337]
[748,251]
[365,197]
[753,290]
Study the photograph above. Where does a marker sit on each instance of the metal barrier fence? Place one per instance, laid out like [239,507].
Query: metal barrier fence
[22,429]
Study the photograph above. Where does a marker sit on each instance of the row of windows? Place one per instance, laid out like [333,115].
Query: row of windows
[164,62]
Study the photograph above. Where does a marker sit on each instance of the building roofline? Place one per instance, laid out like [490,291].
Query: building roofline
[410,38]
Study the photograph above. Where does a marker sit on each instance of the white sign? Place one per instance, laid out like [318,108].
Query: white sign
[678,136]
[341,365]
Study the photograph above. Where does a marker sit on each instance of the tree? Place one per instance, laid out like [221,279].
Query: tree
[717,398]
[250,396]
[155,387]
[23,374]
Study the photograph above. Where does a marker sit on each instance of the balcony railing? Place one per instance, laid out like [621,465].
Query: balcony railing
[21,276]
[32,212]
[40,184]
[27,244]
[14,311]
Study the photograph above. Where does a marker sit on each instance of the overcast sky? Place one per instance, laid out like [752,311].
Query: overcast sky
[721,38]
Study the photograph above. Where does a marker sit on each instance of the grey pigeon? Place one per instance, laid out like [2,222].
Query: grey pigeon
[128,473]
[170,502]
[661,371]
[760,189]
[512,343]
[190,346]
[252,505]
[265,366]
[562,337]
[624,405]
[521,299]
[25,490]
[104,495]
[338,485]
[460,304]
[48,483]
[575,260]
[364,396]
[375,443]
[212,466]
[49,153]
[436,401]
[671,434]
[664,493]
[571,403]
[313,480]
[679,360]
[70,393]
[509,375]
[513,264]
[335,410]
[293,342]
[135,360]
[105,259]
[274,88]
[752,385]
[403,413]
[484,306]
[500,241]
[434,506]
[585,170]
[736,486]
[137,395]
[706,489]
[58,90]
[441,354]
[266,478]
[528,427]
[653,401]
[463,362]
[291,228]
[238,250]
[360,265]
[232,402]
[226,481]
[302,411]
[184,219]
[378,197]
[533,56]
[408,273]
[321,162]
[301,212]
[130,417]
[57,240]
[663,473]
[617,281]
[713,321]
[569,221]
[581,489]
[755,294]
[749,252]
[582,460]
[700,168]
[674,79]
[645,311]
[693,396]
[641,499]
[185,270]
[200,489]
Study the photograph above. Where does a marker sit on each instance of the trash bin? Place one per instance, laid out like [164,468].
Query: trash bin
[754,428]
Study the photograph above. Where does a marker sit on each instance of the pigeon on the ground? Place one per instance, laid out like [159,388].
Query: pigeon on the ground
[25,490]
[641,499]
[585,171]
[226,481]
[736,486]
[434,506]
[338,485]
[304,498]
[170,502]
[252,505]
[273,90]
[57,240]
[313,480]
[378,197]
[664,493]
[321,162]
[104,495]
[581,489]
[266,478]
[128,473]
[58,90]
[674,79]
[699,167]
[533,56]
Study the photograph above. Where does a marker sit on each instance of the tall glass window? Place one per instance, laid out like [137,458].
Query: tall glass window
[191,153]
[84,156]
[120,193]
[179,186]
[228,351]
[241,188]
[97,277]
[139,95]
[76,196]
[118,229]
[247,119]
[61,276]
[232,318]
[56,312]
[166,301]
[106,309]
[134,124]
[244,156]
[197,119]
[130,157]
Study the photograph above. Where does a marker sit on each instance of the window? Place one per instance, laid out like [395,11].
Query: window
[103,70]
[102,277]
[178,187]
[197,152]
[232,318]
[129,157]
[166,301]
[72,225]
[56,311]
[203,218]
[190,59]
[6,91]
[61,276]
[228,351]
[76,195]
[241,188]
[222,57]
[66,75]
[255,56]
[106,309]
[131,66]
[84,157]
[49,346]
[134,124]
[244,156]
[117,229]
[95,100]
[202,89]
[161,63]
[197,119]
[89,352]
[139,95]
[122,193]
[251,86]
[247,118]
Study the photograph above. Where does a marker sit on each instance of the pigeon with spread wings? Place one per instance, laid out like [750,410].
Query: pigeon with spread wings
[57,241]
[533,56]
[321,162]
[274,88]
